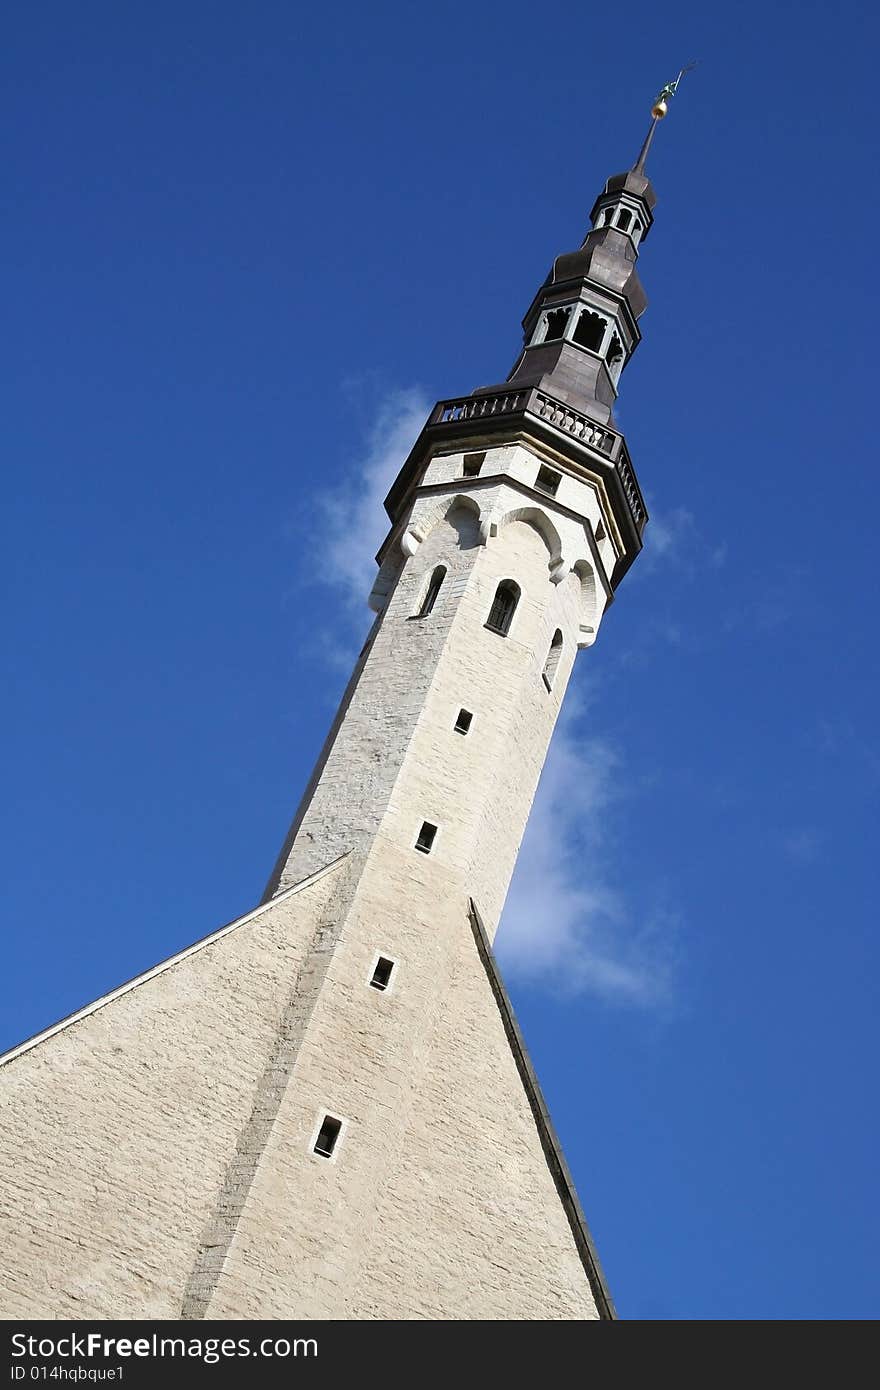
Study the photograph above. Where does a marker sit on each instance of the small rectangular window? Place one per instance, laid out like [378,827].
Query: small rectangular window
[472,464]
[328,1135]
[463,722]
[426,837]
[548,480]
[381,977]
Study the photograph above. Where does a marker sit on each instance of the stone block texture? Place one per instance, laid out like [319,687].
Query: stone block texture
[391,760]
[117,1130]
[156,1154]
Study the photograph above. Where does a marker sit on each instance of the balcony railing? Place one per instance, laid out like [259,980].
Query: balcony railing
[631,489]
[474,407]
[606,442]
[573,423]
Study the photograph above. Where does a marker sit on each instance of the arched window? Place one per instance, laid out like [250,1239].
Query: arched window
[557,322]
[503,607]
[552,661]
[432,589]
[624,217]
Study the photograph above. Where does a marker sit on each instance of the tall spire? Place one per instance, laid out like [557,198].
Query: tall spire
[658,111]
[582,327]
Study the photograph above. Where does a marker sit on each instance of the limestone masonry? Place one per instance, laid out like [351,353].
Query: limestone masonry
[325,1110]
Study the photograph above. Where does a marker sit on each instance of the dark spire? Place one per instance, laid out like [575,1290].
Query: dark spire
[582,326]
[639,166]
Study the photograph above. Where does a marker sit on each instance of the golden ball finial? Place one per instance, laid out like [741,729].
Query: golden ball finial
[659,109]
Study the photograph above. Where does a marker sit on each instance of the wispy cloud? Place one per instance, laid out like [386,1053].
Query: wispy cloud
[355,523]
[803,844]
[772,600]
[350,523]
[674,538]
[670,536]
[853,747]
[567,924]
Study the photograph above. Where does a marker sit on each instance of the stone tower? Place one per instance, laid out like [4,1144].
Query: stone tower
[325,1109]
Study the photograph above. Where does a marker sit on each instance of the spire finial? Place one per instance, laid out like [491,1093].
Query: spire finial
[658,111]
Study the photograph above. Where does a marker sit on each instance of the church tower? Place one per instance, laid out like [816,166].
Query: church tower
[325,1109]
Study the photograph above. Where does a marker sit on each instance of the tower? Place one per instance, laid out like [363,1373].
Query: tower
[325,1109]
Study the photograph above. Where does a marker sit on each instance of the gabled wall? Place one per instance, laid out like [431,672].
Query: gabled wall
[116,1130]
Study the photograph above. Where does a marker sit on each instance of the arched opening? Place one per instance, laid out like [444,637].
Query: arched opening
[624,218]
[589,330]
[432,589]
[537,519]
[552,662]
[589,608]
[557,321]
[503,607]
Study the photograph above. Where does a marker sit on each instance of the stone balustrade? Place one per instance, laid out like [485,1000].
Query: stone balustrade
[605,441]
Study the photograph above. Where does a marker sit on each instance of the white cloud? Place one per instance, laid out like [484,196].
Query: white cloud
[566,925]
[669,534]
[355,521]
[803,844]
[674,538]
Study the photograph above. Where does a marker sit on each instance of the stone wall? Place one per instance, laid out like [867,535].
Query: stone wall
[156,1154]
[116,1131]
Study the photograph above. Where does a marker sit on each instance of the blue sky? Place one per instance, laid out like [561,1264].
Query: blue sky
[246,247]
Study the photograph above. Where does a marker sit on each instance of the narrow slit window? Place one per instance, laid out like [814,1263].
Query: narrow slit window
[472,464]
[432,589]
[382,971]
[547,480]
[552,662]
[427,835]
[589,330]
[503,607]
[328,1136]
[463,722]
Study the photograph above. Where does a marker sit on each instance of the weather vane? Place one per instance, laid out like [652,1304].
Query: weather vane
[661,104]
[658,111]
